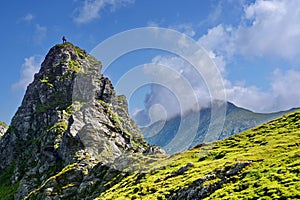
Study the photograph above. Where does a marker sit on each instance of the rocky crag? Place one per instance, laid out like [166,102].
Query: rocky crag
[72,137]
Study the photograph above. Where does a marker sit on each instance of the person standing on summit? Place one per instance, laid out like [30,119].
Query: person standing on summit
[64,39]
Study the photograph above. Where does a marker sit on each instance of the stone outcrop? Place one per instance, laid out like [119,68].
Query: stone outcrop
[197,189]
[71,124]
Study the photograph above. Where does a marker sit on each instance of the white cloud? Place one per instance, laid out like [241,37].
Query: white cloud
[29,68]
[185,28]
[274,29]
[28,17]
[284,93]
[247,97]
[285,87]
[220,40]
[268,28]
[181,88]
[215,15]
[185,72]
[91,9]
[39,34]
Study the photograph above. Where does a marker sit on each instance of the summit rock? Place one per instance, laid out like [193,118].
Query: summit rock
[70,122]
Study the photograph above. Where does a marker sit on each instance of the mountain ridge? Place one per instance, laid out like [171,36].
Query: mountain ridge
[237,119]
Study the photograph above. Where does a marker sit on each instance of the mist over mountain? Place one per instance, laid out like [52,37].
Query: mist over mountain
[236,120]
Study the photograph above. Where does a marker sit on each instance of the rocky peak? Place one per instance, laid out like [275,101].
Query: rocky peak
[70,114]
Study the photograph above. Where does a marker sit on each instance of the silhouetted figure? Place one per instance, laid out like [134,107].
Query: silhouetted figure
[64,39]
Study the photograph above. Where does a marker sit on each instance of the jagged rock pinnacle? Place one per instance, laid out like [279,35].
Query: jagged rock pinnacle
[70,114]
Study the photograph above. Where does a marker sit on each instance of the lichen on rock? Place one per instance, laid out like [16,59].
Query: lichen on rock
[3,128]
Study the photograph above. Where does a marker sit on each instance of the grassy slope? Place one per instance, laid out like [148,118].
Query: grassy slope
[274,170]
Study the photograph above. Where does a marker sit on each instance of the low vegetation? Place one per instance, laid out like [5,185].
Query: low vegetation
[7,189]
[3,124]
[272,151]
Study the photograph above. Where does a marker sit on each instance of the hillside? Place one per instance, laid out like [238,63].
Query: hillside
[261,163]
[237,120]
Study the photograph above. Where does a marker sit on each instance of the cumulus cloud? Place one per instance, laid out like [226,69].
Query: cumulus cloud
[285,89]
[186,28]
[91,9]
[220,40]
[267,28]
[29,68]
[179,91]
[274,29]
[283,93]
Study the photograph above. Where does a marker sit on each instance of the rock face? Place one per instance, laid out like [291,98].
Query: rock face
[70,123]
[3,128]
[197,190]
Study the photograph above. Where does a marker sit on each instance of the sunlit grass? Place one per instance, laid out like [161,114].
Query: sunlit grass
[272,148]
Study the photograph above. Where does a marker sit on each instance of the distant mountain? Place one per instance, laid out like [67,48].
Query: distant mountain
[236,120]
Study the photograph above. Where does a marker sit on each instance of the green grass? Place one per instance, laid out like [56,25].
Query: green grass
[3,124]
[58,129]
[74,66]
[274,171]
[46,80]
[7,192]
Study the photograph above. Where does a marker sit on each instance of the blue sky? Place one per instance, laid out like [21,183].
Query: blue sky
[255,44]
